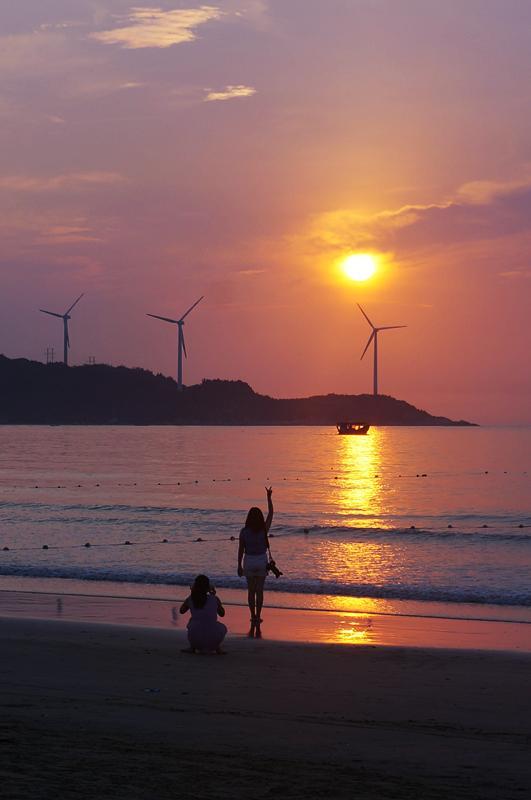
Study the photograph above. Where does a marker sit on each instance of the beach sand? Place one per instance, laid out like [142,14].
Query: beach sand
[447,626]
[97,711]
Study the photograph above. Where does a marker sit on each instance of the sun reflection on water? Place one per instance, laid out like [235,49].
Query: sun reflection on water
[358,495]
[359,482]
[356,562]
[366,605]
[353,631]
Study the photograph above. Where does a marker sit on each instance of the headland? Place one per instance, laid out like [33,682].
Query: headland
[99,394]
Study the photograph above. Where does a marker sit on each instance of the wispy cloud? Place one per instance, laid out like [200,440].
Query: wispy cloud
[517,273]
[154,27]
[71,180]
[484,192]
[55,119]
[249,273]
[230,92]
[60,26]
[24,233]
[479,212]
[68,234]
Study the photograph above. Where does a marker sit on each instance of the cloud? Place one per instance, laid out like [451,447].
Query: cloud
[59,26]
[253,12]
[484,192]
[516,273]
[154,27]
[71,180]
[100,86]
[67,234]
[230,92]
[249,273]
[482,211]
[40,55]
[24,233]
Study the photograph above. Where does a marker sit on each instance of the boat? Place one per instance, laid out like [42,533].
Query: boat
[352,428]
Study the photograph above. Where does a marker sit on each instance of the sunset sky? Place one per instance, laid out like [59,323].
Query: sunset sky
[239,150]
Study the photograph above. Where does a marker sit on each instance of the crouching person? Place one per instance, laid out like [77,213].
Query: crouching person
[205,633]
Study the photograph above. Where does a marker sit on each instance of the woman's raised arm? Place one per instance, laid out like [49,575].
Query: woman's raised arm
[269,518]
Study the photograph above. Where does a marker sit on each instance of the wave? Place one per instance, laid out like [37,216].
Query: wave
[418,592]
[210,521]
[504,518]
[413,533]
[114,507]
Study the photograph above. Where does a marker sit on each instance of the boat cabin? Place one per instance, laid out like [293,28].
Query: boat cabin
[352,428]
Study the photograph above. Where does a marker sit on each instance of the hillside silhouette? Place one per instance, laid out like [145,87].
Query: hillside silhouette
[36,393]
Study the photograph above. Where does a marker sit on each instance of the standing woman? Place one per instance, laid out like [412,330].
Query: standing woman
[252,559]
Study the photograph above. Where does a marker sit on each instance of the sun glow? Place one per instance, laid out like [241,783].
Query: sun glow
[359,266]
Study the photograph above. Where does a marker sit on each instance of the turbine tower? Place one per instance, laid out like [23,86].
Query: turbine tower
[181,347]
[374,335]
[65,317]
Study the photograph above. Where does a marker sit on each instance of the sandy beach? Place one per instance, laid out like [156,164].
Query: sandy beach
[97,711]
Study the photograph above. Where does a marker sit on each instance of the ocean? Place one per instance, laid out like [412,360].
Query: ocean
[417,515]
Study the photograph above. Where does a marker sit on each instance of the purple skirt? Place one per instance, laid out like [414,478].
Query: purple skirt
[205,635]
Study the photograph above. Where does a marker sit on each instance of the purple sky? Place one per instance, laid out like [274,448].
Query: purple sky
[154,153]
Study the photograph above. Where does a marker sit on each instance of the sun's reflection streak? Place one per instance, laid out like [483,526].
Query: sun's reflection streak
[356,562]
[351,630]
[358,495]
[359,484]
[367,605]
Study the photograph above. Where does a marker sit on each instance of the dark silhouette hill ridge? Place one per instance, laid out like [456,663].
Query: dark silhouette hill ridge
[98,394]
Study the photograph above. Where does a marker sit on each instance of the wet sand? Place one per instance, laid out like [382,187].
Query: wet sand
[96,711]
[448,626]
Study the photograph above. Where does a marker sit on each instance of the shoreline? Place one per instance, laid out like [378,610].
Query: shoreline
[281,624]
[323,610]
[276,598]
[290,424]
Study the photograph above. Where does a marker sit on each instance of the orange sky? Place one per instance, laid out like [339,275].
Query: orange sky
[152,154]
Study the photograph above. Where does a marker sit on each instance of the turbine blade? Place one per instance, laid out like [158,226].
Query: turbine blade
[51,313]
[166,319]
[67,337]
[181,336]
[371,337]
[392,327]
[365,315]
[191,308]
[74,303]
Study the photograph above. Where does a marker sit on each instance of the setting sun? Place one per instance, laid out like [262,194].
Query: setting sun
[359,266]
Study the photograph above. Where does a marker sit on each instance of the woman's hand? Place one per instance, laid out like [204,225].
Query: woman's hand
[240,571]
[269,492]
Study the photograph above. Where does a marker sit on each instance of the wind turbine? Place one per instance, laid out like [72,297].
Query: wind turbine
[65,317]
[374,335]
[181,347]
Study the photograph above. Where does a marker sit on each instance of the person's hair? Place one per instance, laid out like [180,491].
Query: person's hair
[255,520]
[200,591]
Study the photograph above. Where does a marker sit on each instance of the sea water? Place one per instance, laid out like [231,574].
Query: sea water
[410,514]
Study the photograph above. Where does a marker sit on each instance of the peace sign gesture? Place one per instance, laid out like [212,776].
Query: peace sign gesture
[269,492]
